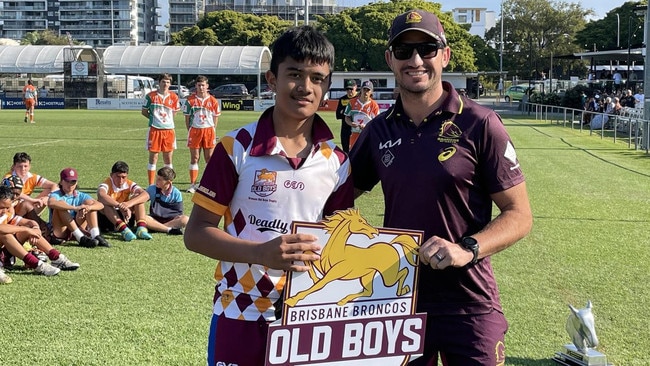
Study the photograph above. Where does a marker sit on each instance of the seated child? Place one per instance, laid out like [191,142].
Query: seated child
[166,204]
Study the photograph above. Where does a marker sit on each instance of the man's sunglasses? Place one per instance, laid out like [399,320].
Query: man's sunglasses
[404,51]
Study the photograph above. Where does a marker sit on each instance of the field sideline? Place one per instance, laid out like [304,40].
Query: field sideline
[149,302]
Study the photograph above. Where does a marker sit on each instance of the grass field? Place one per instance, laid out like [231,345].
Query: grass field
[149,302]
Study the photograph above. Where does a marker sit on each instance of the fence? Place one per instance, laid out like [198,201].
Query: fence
[628,124]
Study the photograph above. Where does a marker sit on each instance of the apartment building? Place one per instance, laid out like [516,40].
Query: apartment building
[98,23]
[480,19]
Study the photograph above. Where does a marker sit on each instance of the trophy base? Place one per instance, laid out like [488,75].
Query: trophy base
[571,356]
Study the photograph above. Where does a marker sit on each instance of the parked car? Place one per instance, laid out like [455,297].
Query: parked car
[472,86]
[266,93]
[183,92]
[236,91]
[515,92]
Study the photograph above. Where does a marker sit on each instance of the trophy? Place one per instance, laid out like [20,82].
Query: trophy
[581,329]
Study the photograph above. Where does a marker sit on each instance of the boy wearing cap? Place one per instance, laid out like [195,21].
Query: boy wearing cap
[361,110]
[73,212]
[346,129]
[442,161]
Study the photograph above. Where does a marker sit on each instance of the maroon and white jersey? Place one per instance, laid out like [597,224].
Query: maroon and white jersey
[259,192]
[438,177]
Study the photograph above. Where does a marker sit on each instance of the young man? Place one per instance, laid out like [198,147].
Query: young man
[201,112]
[123,201]
[166,204]
[28,206]
[159,107]
[442,161]
[73,212]
[360,111]
[263,176]
[15,230]
[31,100]
[346,129]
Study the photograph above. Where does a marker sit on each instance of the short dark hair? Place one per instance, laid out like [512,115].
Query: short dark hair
[166,173]
[6,193]
[164,76]
[201,79]
[22,157]
[120,167]
[302,43]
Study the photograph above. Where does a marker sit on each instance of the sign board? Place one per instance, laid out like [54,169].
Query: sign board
[357,303]
[43,103]
[79,68]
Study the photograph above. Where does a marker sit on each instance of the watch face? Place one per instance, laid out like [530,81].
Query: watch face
[469,242]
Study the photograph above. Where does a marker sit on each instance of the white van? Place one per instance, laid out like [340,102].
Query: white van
[138,86]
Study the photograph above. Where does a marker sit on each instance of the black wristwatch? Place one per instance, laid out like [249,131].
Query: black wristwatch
[470,244]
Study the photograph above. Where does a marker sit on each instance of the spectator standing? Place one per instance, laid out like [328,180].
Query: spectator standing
[159,107]
[618,80]
[361,110]
[201,112]
[246,184]
[30,99]
[346,128]
[442,162]
[42,92]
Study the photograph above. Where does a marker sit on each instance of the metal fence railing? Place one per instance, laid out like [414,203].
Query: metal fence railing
[628,124]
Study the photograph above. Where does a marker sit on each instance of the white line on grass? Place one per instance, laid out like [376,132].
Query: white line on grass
[32,144]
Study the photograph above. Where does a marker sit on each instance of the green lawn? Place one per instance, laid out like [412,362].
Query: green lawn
[149,302]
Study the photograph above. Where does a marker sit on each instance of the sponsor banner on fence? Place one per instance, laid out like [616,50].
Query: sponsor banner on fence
[115,103]
[356,305]
[43,103]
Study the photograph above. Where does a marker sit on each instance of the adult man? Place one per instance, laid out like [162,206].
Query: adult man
[73,214]
[618,80]
[123,201]
[251,182]
[442,161]
[159,107]
[30,99]
[346,128]
[201,112]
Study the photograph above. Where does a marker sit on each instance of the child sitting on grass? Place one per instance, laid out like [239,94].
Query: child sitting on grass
[166,204]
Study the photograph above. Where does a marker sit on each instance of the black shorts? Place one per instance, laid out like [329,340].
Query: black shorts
[106,226]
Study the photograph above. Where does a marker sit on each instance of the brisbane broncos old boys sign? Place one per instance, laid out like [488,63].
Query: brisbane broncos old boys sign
[356,303]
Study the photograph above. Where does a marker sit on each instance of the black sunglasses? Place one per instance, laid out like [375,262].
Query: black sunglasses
[404,51]
[71,181]
[349,89]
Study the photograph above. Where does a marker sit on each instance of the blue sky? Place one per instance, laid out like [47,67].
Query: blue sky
[600,7]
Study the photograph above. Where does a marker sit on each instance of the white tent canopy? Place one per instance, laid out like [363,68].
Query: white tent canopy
[204,60]
[34,59]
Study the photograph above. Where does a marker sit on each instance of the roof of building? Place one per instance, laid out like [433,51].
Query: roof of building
[206,60]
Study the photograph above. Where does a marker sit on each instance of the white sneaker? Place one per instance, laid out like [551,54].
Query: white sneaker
[192,188]
[46,269]
[65,264]
[4,278]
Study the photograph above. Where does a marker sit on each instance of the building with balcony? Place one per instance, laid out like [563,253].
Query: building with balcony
[480,19]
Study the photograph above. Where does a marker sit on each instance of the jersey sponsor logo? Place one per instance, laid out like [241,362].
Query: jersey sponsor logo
[208,192]
[449,132]
[500,352]
[221,363]
[387,158]
[264,183]
[511,155]
[388,144]
[446,154]
[269,225]
[294,184]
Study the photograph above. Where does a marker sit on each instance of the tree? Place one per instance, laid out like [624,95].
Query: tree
[360,35]
[537,30]
[230,28]
[45,37]
[608,34]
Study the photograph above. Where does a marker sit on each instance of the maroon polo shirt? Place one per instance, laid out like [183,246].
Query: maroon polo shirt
[438,177]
